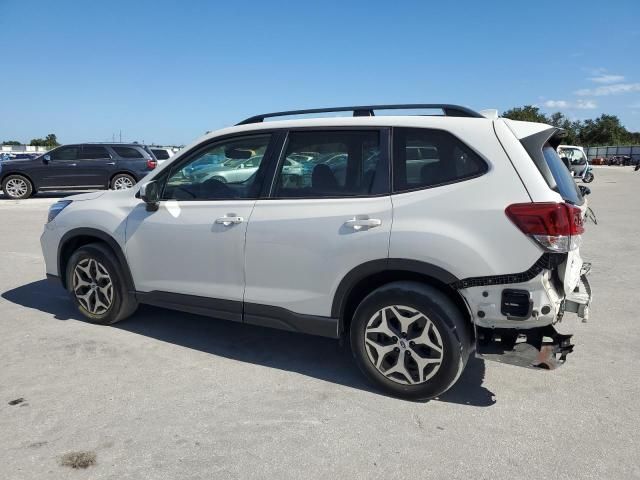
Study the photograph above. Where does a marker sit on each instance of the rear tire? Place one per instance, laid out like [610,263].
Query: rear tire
[122,181]
[424,346]
[588,178]
[97,285]
[17,187]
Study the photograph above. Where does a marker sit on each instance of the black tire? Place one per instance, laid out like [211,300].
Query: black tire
[452,327]
[220,179]
[10,180]
[588,178]
[120,178]
[122,304]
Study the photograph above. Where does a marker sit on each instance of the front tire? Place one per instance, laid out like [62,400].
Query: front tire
[410,340]
[122,181]
[588,178]
[17,187]
[97,285]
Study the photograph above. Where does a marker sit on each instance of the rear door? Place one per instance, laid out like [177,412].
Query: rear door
[94,166]
[315,228]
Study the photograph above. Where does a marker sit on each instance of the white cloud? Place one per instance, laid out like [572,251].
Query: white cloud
[563,104]
[586,104]
[614,89]
[556,104]
[606,78]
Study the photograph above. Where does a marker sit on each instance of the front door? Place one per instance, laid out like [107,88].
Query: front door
[323,219]
[61,168]
[190,252]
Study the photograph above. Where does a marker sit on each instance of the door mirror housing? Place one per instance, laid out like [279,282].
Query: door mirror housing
[150,194]
[46,158]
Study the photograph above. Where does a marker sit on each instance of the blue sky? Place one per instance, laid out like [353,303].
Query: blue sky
[167,71]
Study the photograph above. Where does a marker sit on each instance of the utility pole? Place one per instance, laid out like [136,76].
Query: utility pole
[120,135]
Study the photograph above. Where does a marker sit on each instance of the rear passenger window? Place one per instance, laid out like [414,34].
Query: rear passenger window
[332,164]
[425,158]
[94,152]
[128,152]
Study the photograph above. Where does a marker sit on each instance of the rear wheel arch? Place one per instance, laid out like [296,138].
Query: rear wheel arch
[79,237]
[123,172]
[366,278]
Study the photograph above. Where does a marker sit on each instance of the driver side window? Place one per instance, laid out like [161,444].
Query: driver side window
[222,171]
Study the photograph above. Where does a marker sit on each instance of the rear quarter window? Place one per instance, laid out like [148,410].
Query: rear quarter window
[425,158]
[128,152]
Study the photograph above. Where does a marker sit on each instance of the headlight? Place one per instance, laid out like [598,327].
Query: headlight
[56,208]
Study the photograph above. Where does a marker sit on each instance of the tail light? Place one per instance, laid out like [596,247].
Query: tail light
[556,227]
[152,164]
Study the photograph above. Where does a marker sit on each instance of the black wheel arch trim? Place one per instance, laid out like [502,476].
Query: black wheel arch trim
[102,236]
[367,269]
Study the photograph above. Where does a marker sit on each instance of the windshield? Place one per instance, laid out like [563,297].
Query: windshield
[565,185]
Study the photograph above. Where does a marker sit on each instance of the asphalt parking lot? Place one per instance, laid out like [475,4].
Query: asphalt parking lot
[171,395]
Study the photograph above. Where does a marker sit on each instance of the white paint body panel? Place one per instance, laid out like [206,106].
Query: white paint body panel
[298,250]
[180,248]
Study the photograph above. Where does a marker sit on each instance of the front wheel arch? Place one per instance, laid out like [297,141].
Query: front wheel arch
[78,237]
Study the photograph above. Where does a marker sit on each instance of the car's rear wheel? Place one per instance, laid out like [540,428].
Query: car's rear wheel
[410,340]
[122,181]
[97,285]
[588,178]
[17,187]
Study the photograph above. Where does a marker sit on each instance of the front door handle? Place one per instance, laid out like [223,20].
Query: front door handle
[229,219]
[110,163]
[73,164]
[359,223]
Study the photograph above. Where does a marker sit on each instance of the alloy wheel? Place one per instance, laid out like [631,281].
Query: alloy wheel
[92,286]
[16,187]
[122,183]
[404,345]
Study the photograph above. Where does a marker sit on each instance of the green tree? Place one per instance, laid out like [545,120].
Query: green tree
[49,141]
[11,142]
[528,113]
[604,130]
[572,128]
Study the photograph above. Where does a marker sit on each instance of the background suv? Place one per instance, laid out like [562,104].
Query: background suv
[77,167]
[432,237]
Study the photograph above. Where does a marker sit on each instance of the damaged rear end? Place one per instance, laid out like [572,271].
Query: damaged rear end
[515,314]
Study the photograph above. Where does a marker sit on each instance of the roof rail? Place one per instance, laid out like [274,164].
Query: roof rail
[368,111]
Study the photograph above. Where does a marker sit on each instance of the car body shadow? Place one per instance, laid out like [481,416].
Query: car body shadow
[49,194]
[317,357]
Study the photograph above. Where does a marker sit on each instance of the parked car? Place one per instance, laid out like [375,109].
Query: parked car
[479,252]
[577,161]
[77,167]
[161,154]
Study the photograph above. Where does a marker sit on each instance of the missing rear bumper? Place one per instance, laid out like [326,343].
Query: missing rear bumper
[541,347]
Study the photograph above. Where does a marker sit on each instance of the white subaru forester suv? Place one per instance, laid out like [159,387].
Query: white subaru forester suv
[420,239]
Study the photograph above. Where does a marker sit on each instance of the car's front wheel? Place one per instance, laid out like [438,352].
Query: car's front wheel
[17,187]
[97,285]
[410,340]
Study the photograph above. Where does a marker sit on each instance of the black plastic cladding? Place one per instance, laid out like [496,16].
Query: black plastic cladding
[547,261]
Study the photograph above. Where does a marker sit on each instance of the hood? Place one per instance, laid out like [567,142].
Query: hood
[86,196]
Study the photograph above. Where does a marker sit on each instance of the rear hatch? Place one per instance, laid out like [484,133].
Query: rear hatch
[541,147]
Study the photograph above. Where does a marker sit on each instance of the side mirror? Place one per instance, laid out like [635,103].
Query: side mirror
[584,190]
[150,194]
[46,158]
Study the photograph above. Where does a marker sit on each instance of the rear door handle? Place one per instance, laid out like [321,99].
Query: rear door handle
[229,219]
[73,164]
[110,163]
[362,223]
